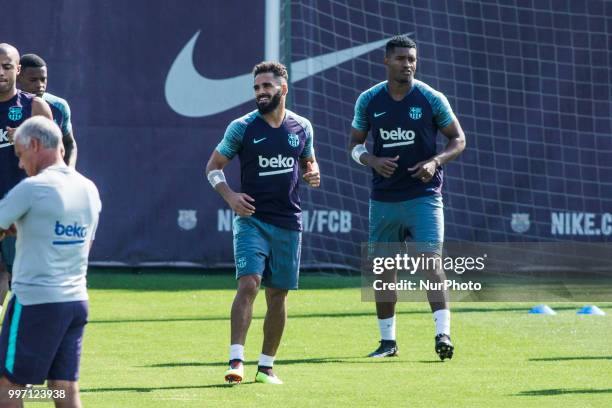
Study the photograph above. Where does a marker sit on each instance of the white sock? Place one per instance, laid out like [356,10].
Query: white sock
[442,320]
[237,352]
[266,361]
[387,328]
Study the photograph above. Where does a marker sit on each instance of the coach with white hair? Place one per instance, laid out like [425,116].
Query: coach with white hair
[54,213]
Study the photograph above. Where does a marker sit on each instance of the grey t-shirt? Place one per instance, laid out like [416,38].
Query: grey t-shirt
[56,213]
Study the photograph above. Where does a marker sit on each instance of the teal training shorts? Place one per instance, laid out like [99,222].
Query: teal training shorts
[268,251]
[420,220]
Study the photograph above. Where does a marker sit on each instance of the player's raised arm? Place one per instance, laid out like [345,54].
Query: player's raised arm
[241,203]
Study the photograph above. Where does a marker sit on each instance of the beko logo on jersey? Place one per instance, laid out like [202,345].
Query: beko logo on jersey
[279,162]
[4,139]
[400,136]
[75,232]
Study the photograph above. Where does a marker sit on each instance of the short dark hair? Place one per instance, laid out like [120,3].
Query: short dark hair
[402,41]
[31,61]
[278,69]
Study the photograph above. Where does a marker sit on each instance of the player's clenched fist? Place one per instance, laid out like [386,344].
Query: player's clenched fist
[424,170]
[10,133]
[241,204]
[385,166]
[312,175]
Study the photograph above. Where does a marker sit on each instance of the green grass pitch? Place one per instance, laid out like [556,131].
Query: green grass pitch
[161,340]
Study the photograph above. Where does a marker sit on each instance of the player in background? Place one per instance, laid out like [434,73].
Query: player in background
[15,107]
[33,79]
[274,145]
[55,213]
[404,115]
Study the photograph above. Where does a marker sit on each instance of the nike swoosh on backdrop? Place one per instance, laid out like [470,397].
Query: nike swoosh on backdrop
[190,94]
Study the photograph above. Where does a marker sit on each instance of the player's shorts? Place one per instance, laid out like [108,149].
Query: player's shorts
[7,248]
[267,250]
[420,220]
[40,342]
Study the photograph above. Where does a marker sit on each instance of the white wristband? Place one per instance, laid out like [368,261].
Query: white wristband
[357,151]
[215,177]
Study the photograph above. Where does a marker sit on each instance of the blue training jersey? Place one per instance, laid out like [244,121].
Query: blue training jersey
[406,128]
[269,164]
[12,114]
[61,112]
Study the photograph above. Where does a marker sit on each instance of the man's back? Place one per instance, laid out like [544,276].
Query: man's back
[58,210]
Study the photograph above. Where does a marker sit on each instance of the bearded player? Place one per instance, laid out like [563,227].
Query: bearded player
[274,145]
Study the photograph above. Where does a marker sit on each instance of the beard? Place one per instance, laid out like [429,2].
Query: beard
[269,106]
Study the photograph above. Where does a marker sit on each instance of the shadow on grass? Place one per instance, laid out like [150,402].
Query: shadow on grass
[572,358]
[151,389]
[563,391]
[425,310]
[324,360]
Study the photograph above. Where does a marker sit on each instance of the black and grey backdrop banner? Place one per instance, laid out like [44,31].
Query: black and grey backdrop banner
[153,84]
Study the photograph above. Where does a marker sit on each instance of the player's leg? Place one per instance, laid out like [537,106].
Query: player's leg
[426,221]
[385,227]
[274,325]
[242,307]
[250,250]
[8,392]
[281,276]
[67,392]
[241,316]
[385,312]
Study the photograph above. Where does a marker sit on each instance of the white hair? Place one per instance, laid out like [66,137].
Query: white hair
[40,128]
